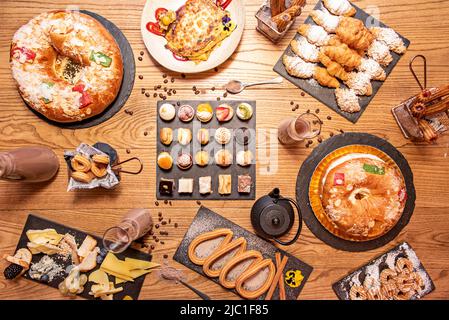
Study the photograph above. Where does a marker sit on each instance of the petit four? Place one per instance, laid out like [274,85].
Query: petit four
[185,185]
[184,136]
[165,161]
[205,184]
[202,158]
[243,136]
[223,158]
[167,112]
[186,113]
[184,161]
[224,184]
[224,112]
[244,184]
[244,158]
[204,112]
[203,136]
[166,186]
[222,135]
[244,111]
[166,135]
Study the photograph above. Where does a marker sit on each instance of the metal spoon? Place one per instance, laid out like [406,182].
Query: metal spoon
[236,86]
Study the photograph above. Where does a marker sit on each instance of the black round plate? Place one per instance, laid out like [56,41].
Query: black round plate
[129,72]
[306,172]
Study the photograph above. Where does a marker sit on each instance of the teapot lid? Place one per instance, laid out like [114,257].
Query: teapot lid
[276,220]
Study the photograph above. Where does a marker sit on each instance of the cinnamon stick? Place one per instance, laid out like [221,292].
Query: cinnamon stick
[281,279]
[275,282]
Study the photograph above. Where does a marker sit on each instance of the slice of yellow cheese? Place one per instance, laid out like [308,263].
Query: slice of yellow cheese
[140,264]
[44,236]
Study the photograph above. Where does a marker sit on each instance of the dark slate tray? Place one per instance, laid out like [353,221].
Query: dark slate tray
[34,222]
[129,72]
[343,286]
[207,220]
[211,169]
[308,168]
[326,95]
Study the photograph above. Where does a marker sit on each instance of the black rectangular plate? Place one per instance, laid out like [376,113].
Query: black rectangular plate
[207,220]
[343,286]
[326,95]
[212,169]
[34,222]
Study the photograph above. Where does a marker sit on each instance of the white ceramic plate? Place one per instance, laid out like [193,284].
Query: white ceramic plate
[156,44]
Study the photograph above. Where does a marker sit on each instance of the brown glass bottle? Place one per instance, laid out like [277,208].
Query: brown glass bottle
[28,164]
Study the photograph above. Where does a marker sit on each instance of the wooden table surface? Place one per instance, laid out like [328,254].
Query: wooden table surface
[428,231]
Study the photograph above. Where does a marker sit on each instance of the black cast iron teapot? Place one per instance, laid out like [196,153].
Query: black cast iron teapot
[272,216]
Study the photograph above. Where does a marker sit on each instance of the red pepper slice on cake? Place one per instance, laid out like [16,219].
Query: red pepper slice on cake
[85,99]
[339,179]
[19,52]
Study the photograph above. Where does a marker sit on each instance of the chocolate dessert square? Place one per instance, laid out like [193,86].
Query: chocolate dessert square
[166,186]
[244,184]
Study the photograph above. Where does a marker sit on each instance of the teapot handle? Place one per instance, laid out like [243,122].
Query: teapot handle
[287,243]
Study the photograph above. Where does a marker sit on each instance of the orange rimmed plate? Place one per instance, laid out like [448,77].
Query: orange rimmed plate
[315,186]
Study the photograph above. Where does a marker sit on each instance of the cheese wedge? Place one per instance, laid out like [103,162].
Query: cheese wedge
[140,264]
[43,248]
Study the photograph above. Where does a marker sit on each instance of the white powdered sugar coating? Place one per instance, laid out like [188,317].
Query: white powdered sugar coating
[317,35]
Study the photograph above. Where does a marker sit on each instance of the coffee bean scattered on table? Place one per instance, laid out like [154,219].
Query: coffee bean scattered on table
[156,203]
[147,94]
[140,77]
[142,53]
[140,58]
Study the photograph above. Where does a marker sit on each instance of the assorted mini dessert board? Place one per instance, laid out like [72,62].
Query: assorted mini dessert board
[206,150]
[395,275]
[66,89]
[239,260]
[355,59]
[194,35]
[75,262]
[355,192]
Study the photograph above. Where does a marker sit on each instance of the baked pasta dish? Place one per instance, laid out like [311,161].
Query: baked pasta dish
[67,65]
[363,196]
[194,30]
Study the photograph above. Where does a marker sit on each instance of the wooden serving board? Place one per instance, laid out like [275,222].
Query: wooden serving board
[386,260]
[211,169]
[327,95]
[34,222]
[207,220]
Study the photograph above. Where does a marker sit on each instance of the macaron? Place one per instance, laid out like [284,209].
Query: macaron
[186,113]
[224,112]
[204,112]
[244,158]
[165,161]
[244,111]
[223,158]
[167,112]
[222,135]
[184,161]
[202,158]
[203,136]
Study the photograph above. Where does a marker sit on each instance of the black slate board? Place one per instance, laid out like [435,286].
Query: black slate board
[211,169]
[34,222]
[207,220]
[343,286]
[129,72]
[326,95]
[308,168]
